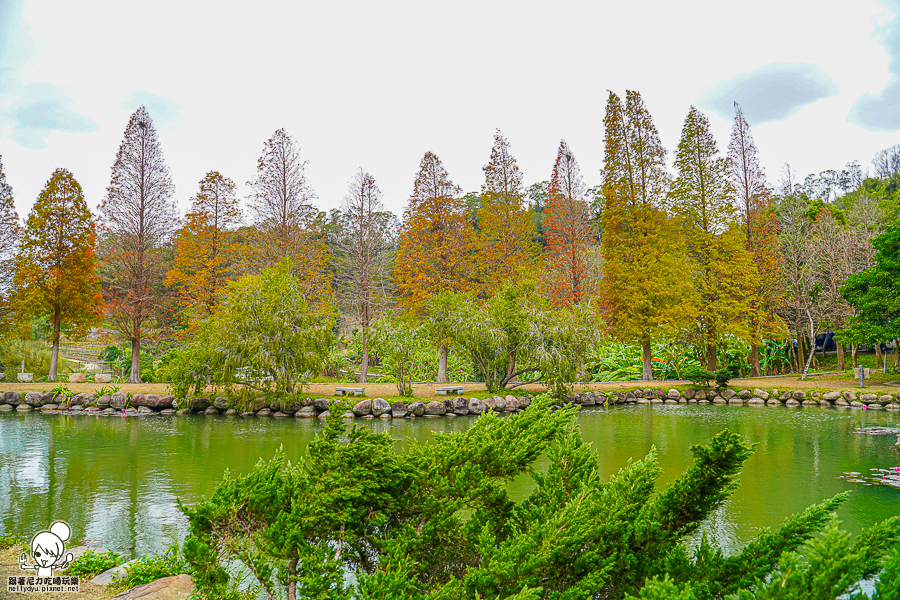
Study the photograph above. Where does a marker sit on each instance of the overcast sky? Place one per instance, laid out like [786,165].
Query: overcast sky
[377,84]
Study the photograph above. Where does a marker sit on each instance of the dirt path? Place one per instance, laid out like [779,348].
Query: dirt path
[426,390]
[9,565]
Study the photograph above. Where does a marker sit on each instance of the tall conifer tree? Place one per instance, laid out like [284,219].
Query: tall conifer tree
[56,271]
[206,248]
[139,216]
[567,229]
[760,226]
[720,267]
[364,255]
[643,259]
[436,244]
[286,220]
[506,229]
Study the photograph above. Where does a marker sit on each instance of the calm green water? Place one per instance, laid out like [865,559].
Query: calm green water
[116,480]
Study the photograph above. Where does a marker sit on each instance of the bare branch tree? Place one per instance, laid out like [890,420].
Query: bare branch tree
[139,216]
[365,252]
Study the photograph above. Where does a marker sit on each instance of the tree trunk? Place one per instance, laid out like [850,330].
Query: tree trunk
[879,357]
[54,355]
[755,371]
[897,353]
[135,376]
[711,358]
[801,346]
[841,362]
[442,365]
[364,361]
[853,350]
[647,372]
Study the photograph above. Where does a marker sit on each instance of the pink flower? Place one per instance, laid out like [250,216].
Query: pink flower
[895,468]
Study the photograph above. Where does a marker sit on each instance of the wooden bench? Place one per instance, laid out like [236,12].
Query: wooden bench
[446,389]
[344,391]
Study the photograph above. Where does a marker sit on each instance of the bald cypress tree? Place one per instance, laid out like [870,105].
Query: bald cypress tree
[505,227]
[436,248]
[720,267]
[760,226]
[139,218]
[567,228]
[643,258]
[56,272]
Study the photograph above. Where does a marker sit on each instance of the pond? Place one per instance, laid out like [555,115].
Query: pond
[116,480]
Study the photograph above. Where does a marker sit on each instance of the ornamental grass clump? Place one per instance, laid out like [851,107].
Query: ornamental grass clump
[437,522]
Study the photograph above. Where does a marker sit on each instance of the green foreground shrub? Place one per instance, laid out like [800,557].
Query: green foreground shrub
[149,568]
[436,522]
[93,563]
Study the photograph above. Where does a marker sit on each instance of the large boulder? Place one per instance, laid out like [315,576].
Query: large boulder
[306,412]
[512,405]
[221,402]
[460,406]
[417,408]
[321,403]
[155,402]
[399,409]
[363,407]
[489,402]
[118,400]
[177,587]
[380,406]
[476,406]
[758,393]
[525,401]
[799,395]
[868,398]
[849,396]
[831,396]
[196,404]
[104,401]
[435,408]
[673,394]
[728,394]
[33,399]
[586,399]
[12,398]
[499,403]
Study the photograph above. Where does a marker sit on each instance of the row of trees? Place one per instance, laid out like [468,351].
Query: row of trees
[707,254]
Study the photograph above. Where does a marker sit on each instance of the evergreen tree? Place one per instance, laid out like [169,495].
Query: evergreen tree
[10,235]
[206,249]
[287,223]
[506,230]
[436,245]
[720,267]
[751,196]
[643,258]
[567,229]
[56,272]
[139,217]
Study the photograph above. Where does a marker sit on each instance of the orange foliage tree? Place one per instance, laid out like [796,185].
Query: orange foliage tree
[505,227]
[436,245]
[206,248]
[56,270]
[570,245]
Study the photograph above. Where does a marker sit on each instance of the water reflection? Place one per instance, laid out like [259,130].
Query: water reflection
[116,480]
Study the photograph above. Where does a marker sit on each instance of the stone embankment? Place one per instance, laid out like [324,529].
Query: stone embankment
[755,397]
[150,404]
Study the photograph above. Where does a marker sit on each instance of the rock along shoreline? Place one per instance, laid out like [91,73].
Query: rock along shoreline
[151,404]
